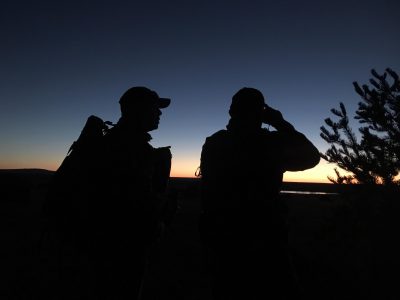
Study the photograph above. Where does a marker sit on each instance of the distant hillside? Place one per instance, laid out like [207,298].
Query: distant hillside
[17,184]
[310,187]
[24,177]
[180,182]
[28,178]
[24,172]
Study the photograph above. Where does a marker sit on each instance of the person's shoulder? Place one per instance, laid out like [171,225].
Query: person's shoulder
[272,138]
[271,134]
[220,135]
[216,139]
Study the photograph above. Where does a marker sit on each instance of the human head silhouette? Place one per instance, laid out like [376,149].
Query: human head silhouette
[141,107]
[247,106]
[247,101]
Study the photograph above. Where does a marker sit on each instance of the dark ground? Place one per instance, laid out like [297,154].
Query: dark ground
[344,247]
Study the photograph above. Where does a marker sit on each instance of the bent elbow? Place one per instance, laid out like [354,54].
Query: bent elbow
[303,162]
[313,160]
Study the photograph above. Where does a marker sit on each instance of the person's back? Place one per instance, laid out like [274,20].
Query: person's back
[245,161]
[243,218]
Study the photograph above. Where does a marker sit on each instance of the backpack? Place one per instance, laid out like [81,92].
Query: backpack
[78,171]
[84,152]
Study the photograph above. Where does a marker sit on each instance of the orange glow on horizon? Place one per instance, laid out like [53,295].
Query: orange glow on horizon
[186,168]
[318,174]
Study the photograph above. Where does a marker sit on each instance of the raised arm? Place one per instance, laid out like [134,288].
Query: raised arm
[298,152]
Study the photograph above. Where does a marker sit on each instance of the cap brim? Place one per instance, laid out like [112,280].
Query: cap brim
[163,102]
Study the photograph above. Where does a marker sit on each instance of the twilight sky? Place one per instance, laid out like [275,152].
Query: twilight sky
[62,61]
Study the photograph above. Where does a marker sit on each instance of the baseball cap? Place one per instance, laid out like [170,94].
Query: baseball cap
[140,96]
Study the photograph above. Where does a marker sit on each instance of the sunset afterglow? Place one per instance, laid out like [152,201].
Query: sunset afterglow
[64,61]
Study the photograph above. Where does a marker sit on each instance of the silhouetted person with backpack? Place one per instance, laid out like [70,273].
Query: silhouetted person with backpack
[133,198]
[243,221]
[108,204]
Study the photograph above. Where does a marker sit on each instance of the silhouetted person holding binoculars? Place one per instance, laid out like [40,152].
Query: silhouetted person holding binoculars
[243,221]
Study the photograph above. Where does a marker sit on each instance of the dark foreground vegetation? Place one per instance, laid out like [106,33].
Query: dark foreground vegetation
[345,246]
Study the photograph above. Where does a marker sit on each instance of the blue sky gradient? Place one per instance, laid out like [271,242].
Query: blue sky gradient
[63,61]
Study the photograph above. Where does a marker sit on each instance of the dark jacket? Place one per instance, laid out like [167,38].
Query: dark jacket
[242,173]
[131,204]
